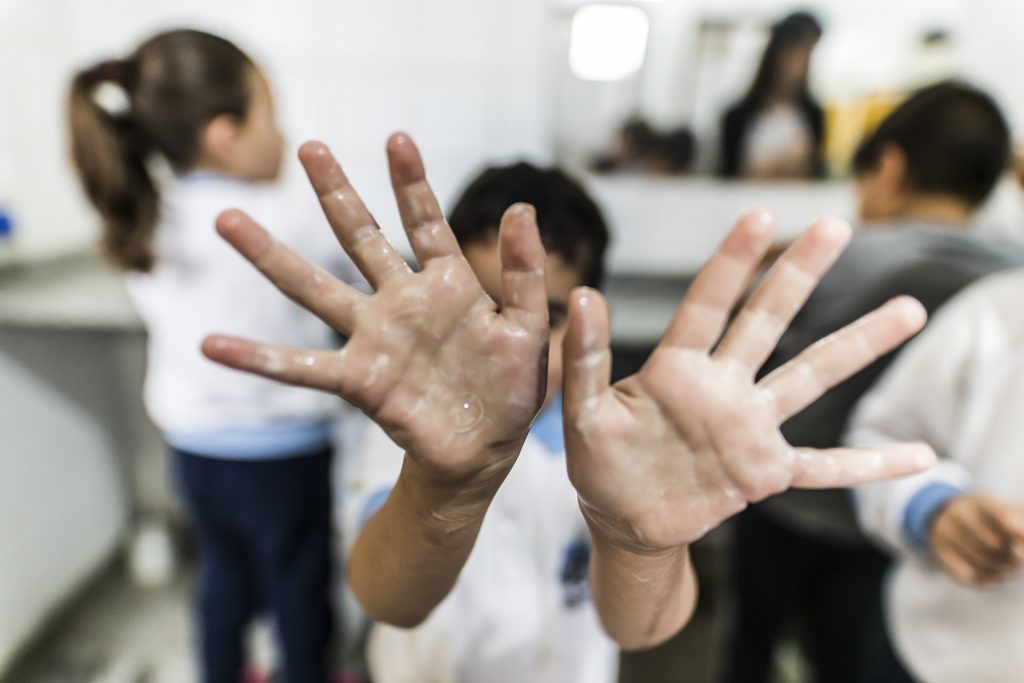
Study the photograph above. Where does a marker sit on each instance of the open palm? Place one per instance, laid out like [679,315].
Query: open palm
[428,357]
[663,456]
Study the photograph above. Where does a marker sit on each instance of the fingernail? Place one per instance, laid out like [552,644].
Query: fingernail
[925,456]
[521,209]
[833,228]
[583,296]
[910,309]
[762,220]
[230,218]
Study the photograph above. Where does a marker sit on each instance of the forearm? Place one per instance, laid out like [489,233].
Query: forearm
[408,556]
[642,598]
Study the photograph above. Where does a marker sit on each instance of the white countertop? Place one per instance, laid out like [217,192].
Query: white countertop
[80,292]
[665,226]
[663,230]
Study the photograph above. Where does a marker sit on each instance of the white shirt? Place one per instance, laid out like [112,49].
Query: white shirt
[201,285]
[960,387]
[777,133]
[513,615]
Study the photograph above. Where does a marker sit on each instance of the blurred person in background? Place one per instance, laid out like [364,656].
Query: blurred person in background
[955,602]
[252,457]
[776,130]
[801,559]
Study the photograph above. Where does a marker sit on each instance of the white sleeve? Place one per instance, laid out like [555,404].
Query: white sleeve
[375,469]
[919,398]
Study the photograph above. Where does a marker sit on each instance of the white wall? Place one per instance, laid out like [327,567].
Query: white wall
[868,46]
[467,78]
[473,80]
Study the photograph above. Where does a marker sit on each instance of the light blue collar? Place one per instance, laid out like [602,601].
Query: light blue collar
[547,428]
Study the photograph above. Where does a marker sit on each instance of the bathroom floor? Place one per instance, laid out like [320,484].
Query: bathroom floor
[116,633]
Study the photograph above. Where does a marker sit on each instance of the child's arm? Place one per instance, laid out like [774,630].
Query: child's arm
[452,381]
[978,539]
[663,456]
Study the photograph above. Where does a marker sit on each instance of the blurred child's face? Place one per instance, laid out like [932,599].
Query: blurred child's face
[880,189]
[260,144]
[793,66]
[485,260]
[251,148]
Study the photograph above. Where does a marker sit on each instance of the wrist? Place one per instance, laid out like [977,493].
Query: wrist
[924,508]
[620,537]
[447,505]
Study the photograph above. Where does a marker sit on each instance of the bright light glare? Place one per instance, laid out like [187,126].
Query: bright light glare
[608,42]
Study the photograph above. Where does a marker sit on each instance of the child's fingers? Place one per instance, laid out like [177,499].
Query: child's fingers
[524,294]
[822,366]
[352,223]
[699,320]
[1007,517]
[421,214]
[311,368]
[325,296]
[988,551]
[984,528]
[984,564]
[752,336]
[845,467]
[586,355]
[959,567]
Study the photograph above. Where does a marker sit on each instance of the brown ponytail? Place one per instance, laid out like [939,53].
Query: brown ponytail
[110,154]
[174,84]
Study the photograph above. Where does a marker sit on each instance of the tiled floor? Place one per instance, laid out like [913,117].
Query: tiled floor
[116,633]
[120,633]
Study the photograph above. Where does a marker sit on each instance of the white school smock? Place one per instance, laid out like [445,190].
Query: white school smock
[201,285]
[960,387]
[520,610]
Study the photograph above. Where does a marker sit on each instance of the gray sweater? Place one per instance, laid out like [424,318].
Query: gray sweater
[930,263]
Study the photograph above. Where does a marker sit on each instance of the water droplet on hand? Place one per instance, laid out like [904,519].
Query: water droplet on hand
[467,413]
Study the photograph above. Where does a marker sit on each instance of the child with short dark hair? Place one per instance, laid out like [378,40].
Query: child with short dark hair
[520,610]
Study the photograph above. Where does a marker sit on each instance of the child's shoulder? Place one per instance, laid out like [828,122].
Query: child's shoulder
[1000,293]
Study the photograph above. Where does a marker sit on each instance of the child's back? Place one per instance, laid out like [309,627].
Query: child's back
[198,283]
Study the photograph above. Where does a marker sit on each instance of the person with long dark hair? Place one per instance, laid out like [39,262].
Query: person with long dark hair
[776,130]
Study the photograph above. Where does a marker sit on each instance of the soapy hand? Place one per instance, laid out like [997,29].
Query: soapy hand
[429,357]
[665,455]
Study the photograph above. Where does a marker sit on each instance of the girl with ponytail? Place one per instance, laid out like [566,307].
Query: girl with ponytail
[252,457]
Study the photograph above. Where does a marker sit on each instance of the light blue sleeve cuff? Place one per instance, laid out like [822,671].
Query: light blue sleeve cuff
[921,509]
[373,503]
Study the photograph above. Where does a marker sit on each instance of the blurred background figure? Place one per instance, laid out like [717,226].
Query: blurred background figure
[777,130]
[801,561]
[957,532]
[640,148]
[252,458]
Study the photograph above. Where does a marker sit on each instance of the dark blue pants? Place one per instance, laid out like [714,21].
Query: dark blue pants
[264,534]
[832,592]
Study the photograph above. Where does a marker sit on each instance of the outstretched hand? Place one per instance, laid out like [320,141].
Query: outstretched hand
[665,455]
[429,357]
